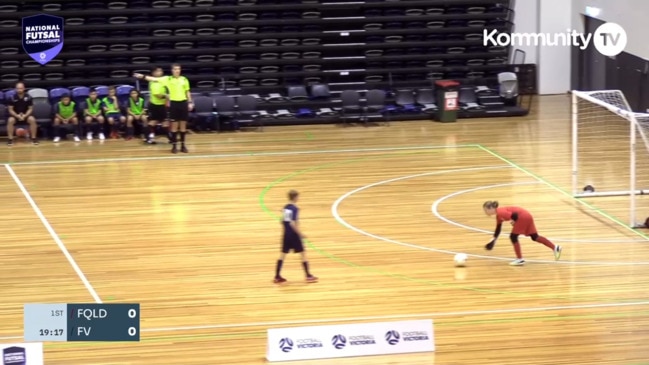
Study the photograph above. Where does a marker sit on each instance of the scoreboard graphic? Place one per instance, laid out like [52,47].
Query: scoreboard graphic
[81,322]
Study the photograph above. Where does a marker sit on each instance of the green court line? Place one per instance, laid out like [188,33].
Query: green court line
[335,258]
[439,322]
[564,192]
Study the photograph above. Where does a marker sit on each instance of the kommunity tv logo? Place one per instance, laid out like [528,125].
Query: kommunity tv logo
[609,39]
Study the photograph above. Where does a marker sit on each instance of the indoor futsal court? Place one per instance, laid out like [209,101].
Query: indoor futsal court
[194,239]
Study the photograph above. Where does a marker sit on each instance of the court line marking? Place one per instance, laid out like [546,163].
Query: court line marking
[435,210]
[562,191]
[386,317]
[246,154]
[274,216]
[53,233]
[343,222]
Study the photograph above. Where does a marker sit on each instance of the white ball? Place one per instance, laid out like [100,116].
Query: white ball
[460,259]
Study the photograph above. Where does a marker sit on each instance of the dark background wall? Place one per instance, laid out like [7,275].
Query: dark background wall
[626,72]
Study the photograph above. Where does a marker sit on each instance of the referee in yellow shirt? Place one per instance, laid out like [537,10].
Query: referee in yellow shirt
[180,103]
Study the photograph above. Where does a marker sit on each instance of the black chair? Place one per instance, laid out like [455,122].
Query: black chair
[320,92]
[468,99]
[203,114]
[375,105]
[3,119]
[351,107]
[297,93]
[247,111]
[225,110]
[426,100]
[42,112]
[405,99]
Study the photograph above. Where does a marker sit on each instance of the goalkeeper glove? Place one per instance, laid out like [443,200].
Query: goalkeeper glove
[489,246]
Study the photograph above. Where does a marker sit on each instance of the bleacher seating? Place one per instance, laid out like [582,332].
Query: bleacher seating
[264,47]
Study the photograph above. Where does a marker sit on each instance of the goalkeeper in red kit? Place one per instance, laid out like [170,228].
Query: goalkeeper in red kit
[523,224]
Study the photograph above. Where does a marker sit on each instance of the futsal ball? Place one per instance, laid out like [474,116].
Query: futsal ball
[460,260]
[21,133]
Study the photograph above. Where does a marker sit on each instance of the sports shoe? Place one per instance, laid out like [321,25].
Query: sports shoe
[517,262]
[174,149]
[89,136]
[35,142]
[57,139]
[10,142]
[311,279]
[102,136]
[183,149]
[279,280]
[76,138]
[557,252]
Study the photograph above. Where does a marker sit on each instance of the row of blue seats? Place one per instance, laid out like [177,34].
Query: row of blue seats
[78,94]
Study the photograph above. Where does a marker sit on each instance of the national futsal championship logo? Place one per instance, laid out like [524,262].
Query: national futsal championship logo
[42,37]
[14,356]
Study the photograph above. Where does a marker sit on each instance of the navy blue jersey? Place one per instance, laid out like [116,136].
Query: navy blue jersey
[289,214]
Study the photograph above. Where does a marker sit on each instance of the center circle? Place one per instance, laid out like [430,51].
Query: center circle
[335,212]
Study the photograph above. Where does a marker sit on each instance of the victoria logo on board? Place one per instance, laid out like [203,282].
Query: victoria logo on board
[286,344]
[42,37]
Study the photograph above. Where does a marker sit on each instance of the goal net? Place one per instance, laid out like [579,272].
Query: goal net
[610,153]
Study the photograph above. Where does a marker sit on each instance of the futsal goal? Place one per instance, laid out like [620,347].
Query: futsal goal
[610,150]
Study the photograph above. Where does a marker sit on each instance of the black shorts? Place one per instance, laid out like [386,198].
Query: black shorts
[178,111]
[157,113]
[292,243]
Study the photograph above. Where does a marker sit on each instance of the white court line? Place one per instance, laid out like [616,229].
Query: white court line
[339,219]
[52,233]
[558,189]
[250,154]
[383,318]
[435,209]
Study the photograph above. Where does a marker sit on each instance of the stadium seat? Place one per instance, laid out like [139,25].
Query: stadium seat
[351,106]
[468,99]
[226,111]
[203,113]
[56,94]
[375,105]
[508,87]
[247,111]
[320,92]
[405,100]
[102,91]
[42,112]
[80,93]
[38,93]
[297,93]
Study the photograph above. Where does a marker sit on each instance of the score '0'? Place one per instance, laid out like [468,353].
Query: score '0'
[132,331]
[132,313]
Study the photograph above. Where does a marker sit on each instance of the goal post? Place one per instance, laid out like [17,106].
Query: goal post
[610,148]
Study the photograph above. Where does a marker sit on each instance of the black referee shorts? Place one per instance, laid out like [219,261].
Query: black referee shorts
[292,243]
[157,112]
[179,111]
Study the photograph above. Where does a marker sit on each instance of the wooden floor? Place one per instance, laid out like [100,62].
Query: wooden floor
[194,239]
